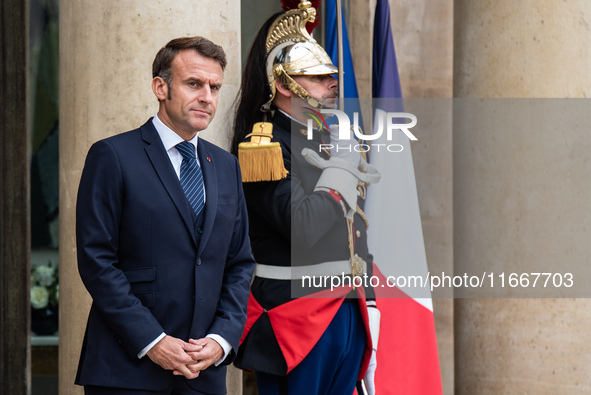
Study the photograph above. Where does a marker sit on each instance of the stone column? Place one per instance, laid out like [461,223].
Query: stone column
[15,220]
[106,52]
[521,200]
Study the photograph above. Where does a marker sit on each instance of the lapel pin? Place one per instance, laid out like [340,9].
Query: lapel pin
[208,159]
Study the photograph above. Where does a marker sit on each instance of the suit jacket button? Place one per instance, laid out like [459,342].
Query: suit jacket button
[198,261]
[199,230]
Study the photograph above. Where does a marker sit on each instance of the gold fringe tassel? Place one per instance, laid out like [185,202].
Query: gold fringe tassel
[261,162]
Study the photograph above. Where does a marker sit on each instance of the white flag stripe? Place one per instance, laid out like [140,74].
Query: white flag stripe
[395,232]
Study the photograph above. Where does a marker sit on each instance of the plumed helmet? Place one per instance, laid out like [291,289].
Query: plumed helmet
[292,51]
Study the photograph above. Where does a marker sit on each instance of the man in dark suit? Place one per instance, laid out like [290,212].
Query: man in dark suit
[162,240]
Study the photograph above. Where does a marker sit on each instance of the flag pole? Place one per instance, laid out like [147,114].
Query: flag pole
[340,50]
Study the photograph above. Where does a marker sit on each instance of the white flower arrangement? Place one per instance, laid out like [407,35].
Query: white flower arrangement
[44,286]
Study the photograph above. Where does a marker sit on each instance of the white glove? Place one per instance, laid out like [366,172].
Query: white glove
[344,149]
[373,315]
[370,374]
[342,176]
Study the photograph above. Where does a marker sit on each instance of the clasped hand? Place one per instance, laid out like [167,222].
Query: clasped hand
[186,359]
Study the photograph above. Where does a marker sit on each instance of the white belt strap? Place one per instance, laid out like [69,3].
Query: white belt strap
[332,268]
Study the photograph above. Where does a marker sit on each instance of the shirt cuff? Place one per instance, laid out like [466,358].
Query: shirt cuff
[149,346]
[226,346]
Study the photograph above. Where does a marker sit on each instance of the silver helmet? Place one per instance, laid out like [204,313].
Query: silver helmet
[292,51]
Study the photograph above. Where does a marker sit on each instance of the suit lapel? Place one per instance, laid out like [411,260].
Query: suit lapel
[210,180]
[167,175]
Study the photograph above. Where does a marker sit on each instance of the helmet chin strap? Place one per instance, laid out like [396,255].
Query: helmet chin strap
[298,90]
[294,87]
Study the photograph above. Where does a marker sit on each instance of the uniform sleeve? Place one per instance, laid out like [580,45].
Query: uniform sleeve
[290,210]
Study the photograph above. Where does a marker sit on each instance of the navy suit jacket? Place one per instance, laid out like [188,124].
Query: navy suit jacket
[148,268]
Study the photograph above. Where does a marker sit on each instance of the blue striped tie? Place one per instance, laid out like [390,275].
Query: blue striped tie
[191,177]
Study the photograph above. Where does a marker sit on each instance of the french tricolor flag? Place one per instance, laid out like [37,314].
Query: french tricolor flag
[407,358]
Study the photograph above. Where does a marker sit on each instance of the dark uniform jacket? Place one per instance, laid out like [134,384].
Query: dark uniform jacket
[291,224]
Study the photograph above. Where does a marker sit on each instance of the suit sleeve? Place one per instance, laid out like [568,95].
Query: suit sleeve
[98,220]
[231,312]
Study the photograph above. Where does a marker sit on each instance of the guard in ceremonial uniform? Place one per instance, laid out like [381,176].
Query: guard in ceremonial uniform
[305,207]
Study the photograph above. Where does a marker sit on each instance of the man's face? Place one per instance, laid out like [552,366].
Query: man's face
[321,87]
[196,82]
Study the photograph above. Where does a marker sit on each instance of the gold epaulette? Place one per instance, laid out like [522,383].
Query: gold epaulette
[260,159]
